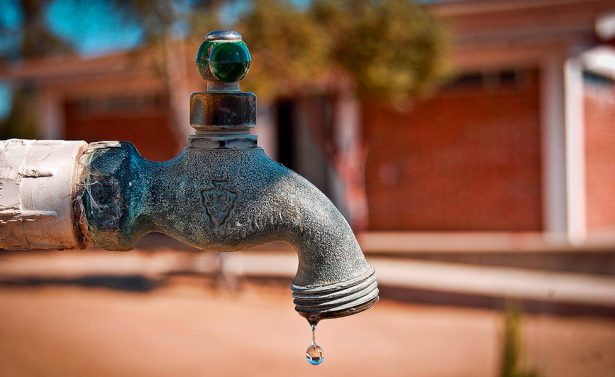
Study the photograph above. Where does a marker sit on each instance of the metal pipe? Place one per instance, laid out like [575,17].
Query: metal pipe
[37,192]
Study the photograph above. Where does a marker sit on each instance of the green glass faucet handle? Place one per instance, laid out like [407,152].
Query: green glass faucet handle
[229,61]
[223,56]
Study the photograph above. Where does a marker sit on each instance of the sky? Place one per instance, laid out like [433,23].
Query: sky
[93,30]
[93,27]
[5,99]
[98,28]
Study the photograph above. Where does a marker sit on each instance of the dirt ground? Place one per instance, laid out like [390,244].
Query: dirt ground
[186,329]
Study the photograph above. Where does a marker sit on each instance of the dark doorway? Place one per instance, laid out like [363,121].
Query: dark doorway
[298,148]
[285,115]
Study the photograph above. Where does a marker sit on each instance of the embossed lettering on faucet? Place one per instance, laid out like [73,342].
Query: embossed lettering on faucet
[218,197]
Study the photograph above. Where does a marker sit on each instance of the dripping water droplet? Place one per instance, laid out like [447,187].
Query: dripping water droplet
[314,354]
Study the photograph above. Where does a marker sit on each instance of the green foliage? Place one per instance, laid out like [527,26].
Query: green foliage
[37,39]
[511,345]
[388,47]
[288,48]
[21,121]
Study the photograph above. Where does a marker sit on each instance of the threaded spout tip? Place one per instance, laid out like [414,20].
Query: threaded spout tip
[336,300]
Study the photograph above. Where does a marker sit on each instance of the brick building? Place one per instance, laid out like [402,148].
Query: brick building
[522,141]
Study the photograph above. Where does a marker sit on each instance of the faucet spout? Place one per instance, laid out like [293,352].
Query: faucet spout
[333,278]
[223,193]
[227,199]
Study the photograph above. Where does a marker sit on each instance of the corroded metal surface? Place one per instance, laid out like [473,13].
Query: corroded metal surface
[225,199]
[212,110]
[223,193]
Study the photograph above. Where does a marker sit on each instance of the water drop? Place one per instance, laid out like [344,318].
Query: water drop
[314,354]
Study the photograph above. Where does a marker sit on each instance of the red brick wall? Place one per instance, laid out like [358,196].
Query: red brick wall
[600,157]
[146,126]
[465,159]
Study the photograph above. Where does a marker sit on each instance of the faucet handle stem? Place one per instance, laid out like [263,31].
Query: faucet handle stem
[223,111]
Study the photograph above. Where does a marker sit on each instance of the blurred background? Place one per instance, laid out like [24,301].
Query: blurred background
[469,143]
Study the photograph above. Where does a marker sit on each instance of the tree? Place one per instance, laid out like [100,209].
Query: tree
[511,344]
[389,48]
[288,49]
[33,40]
[340,50]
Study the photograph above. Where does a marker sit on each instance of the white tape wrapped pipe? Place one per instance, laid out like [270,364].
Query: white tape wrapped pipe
[38,184]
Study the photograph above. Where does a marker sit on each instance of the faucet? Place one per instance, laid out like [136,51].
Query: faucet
[221,193]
